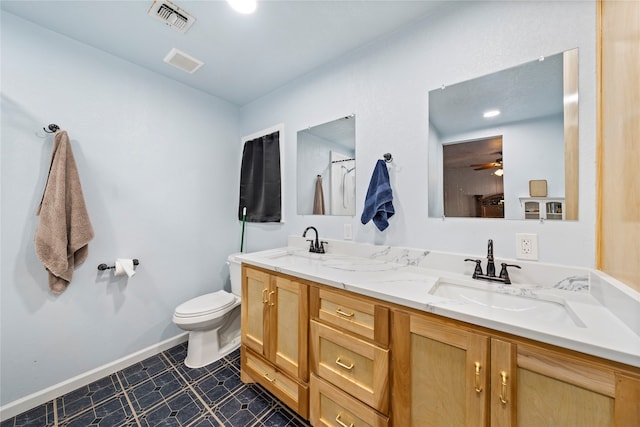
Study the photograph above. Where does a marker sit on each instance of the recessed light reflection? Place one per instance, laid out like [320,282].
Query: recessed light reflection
[243,6]
[491,113]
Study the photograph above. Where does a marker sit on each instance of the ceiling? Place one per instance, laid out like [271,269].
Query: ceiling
[525,92]
[341,131]
[245,56]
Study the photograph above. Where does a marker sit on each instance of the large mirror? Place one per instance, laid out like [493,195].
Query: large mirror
[505,145]
[326,167]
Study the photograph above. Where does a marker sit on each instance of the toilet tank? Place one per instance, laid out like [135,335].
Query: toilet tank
[235,274]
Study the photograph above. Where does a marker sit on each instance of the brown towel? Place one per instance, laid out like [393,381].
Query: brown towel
[318,198]
[64,231]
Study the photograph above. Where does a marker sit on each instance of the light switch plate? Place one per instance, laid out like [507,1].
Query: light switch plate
[347,234]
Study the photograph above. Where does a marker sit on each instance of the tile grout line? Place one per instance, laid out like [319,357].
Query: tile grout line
[126,396]
[55,413]
[208,408]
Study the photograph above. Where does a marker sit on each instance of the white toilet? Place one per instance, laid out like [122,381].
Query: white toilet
[213,321]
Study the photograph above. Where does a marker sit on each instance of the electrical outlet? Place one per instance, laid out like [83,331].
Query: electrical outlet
[527,246]
[347,234]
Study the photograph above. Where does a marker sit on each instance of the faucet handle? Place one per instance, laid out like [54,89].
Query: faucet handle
[478,270]
[504,274]
[321,249]
[312,247]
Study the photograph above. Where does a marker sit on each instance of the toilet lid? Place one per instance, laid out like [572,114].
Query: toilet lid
[206,304]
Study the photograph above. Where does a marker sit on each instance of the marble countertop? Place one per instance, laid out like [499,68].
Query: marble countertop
[569,307]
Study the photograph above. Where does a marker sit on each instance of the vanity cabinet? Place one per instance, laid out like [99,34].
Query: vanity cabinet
[447,373]
[349,358]
[275,319]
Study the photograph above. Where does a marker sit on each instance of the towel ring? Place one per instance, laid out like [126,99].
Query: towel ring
[387,157]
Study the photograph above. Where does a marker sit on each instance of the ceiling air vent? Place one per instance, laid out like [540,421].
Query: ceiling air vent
[183,61]
[171,15]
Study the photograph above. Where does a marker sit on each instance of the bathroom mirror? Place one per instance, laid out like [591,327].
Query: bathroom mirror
[490,136]
[326,166]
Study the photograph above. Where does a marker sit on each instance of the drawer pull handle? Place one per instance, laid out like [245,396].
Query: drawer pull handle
[343,365]
[344,313]
[271,303]
[264,296]
[503,388]
[477,380]
[271,380]
[339,421]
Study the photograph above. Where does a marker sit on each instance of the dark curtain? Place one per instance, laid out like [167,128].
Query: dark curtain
[260,179]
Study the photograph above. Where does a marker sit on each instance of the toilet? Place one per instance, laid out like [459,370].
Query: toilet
[213,321]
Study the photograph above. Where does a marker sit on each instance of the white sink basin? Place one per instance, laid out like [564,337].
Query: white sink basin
[331,261]
[294,258]
[534,305]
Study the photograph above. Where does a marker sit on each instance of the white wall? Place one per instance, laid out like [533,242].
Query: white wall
[386,85]
[531,149]
[153,157]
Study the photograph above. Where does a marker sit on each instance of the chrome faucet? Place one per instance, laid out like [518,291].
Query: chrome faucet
[316,246]
[491,268]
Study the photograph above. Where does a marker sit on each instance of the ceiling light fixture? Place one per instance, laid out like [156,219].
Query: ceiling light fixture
[499,172]
[243,6]
[491,113]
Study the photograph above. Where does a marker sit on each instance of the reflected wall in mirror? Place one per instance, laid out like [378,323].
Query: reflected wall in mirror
[326,166]
[490,136]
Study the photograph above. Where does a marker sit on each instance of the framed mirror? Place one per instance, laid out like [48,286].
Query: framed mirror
[493,137]
[326,165]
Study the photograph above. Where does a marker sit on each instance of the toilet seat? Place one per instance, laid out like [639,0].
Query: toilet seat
[205,305]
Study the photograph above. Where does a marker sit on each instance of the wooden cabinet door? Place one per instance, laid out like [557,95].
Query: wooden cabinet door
[256,294]
[555,388]
[289,330]
[503,383]
[440,374]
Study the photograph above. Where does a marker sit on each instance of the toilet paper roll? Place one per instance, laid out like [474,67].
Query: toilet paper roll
[124,267]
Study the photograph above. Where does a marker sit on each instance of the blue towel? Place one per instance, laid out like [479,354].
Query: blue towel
[378,203]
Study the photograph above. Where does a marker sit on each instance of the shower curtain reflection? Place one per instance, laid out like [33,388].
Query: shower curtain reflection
[343,177]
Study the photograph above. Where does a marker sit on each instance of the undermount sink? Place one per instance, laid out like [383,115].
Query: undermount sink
[294,257]
[331,261]
[516,301]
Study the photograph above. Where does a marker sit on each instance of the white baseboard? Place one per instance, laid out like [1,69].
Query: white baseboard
[43,396]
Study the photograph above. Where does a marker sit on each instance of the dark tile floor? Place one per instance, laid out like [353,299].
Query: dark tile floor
[161,391]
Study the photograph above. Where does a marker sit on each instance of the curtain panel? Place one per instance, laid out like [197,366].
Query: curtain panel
[260,179]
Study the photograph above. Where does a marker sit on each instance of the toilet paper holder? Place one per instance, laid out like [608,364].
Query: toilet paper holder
[103,267]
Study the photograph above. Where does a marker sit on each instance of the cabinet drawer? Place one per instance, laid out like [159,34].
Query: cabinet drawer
[291,392]
[331,407]
[356,366]
[354,314]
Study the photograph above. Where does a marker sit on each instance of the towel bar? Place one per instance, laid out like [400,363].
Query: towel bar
[102,267]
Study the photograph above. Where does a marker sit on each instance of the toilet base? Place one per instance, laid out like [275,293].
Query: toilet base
[202,350]
[205,347]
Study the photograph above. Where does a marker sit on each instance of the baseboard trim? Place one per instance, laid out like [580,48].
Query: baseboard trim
[41,397]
